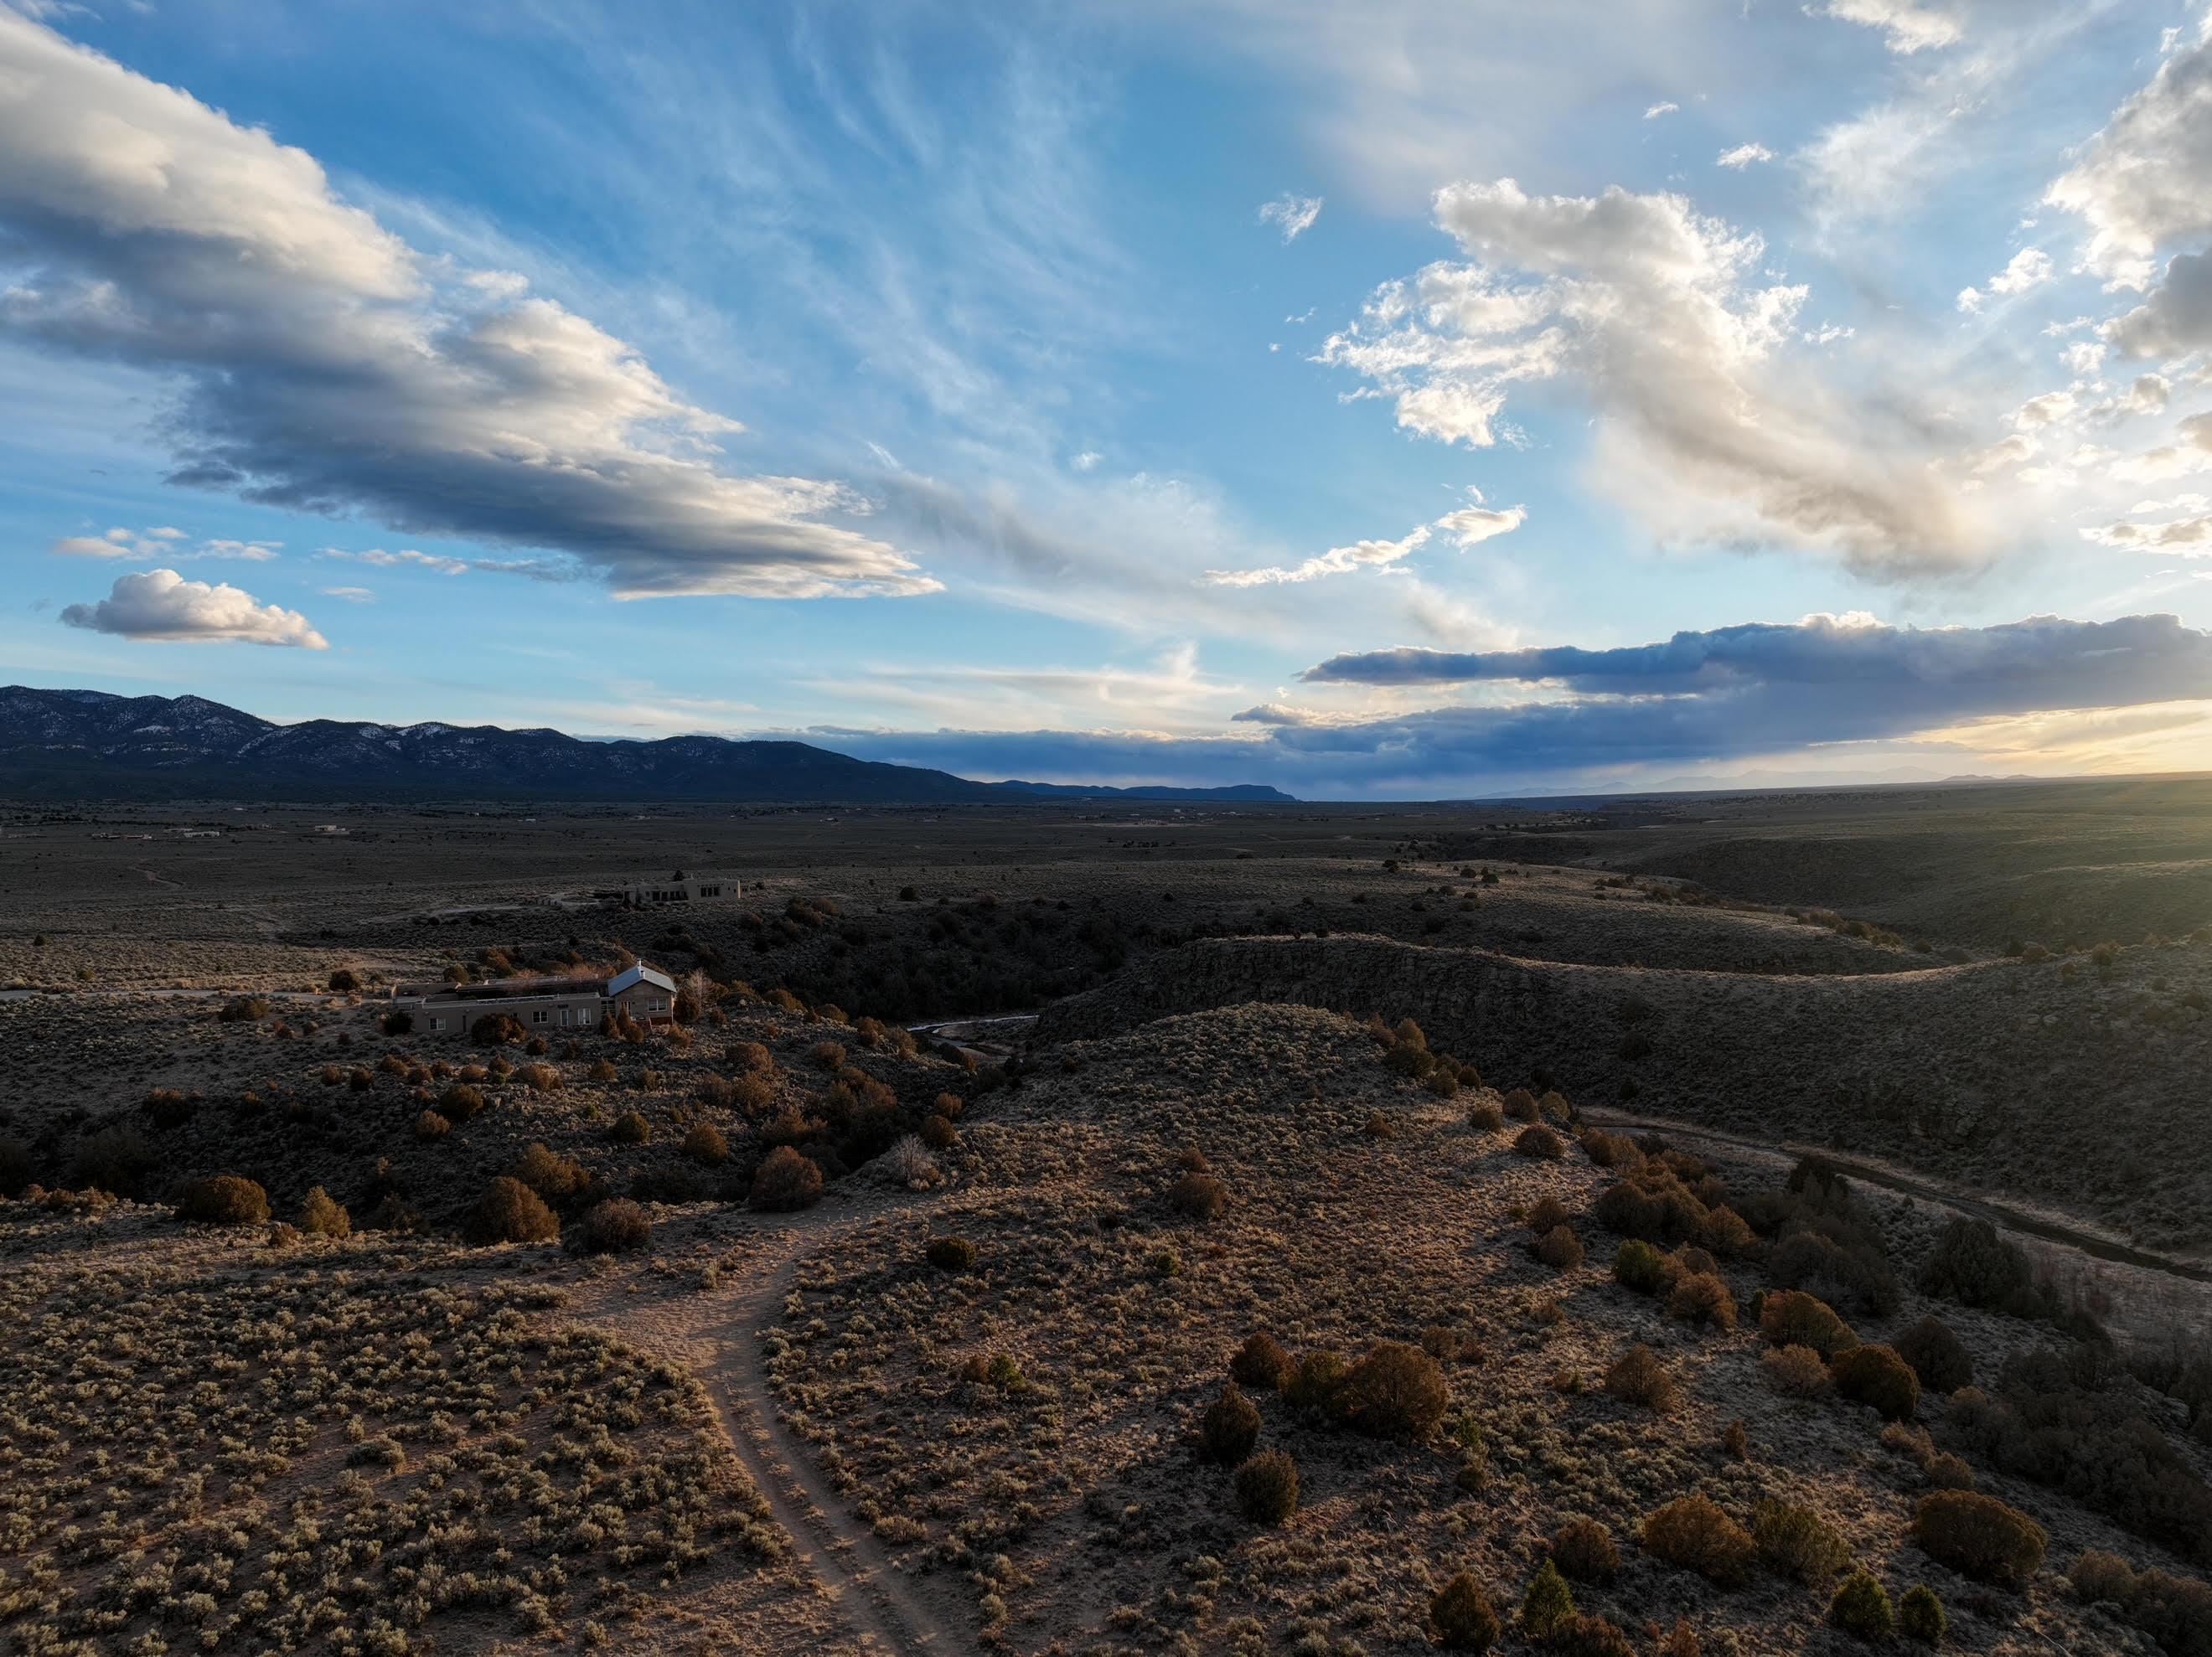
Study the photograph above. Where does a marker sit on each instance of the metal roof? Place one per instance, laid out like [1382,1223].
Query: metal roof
[630,977]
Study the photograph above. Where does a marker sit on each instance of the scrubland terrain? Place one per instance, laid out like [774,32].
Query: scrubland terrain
[788,1330]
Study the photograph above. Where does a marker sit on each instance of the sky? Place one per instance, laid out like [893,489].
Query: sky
[1427,398]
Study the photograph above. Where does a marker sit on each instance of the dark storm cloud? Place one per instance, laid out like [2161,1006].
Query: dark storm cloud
[1734,692]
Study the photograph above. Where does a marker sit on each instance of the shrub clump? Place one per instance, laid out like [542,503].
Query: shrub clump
[1637,1265]
[1702,1297]
[705,1143]
[630,1128]
[1197,1196]
[1876,1375]
[459,1102]
[1691,1533]
[786,1180]
[1462,1616]
[1637,1376]
[950,1254]
[1395,1391]
[1268,1488]
[223,1199]
[1230,1428]
[431,1125]
[1562,1250]
[1980,1536]
[1537,1140]
[1583,1549]
[1972,1264]
[1261,1363]
[1315,1386]
[1796,1372]
[1789,1318]
[1797,1542]
[1485,1116]
[616,1226]
[1861,1607]
[323,1215]
[510,1212]
[1938,1356]
[1920,1616]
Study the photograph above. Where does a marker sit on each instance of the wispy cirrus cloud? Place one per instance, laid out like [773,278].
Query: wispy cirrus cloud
[1291,215]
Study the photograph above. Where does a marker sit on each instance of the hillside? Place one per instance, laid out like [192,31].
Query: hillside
[2064,1082]
[71,744]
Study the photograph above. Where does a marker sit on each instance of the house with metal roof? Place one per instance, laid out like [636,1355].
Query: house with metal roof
[542,1007]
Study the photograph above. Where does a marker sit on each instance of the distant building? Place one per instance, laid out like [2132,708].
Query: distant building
[543,1005]
[678,888]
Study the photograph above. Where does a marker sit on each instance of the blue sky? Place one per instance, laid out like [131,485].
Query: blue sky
[1051,390]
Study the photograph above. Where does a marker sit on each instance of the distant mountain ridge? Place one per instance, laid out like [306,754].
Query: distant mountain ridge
[62,744]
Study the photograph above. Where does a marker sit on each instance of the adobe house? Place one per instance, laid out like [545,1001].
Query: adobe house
[678,888]
[544,1006]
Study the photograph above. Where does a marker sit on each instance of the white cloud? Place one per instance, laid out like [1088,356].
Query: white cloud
[1293,214]
[351,595]
[149,229]
[1907,25]
[2029,268]
[1471,525]
[89,546]
[407,556]
[2183,537]
[1337,561]
[1743,156]
[1087,461]
[1649,312]
[161,604]
[2140,183]
[1657,110]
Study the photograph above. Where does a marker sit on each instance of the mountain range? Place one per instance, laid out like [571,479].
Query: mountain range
[70,744]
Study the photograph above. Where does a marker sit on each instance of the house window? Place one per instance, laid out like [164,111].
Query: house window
[437,1024]
[659,1006]
[539,1016]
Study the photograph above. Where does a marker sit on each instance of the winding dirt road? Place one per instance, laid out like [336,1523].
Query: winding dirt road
[717,1334]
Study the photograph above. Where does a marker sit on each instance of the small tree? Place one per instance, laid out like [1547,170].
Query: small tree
[322,1216]
[1462,1616]
[1395,1391]
[1861,1607]
[1261,1363]
[1549,1604]
[1920,1616]
[616,1227]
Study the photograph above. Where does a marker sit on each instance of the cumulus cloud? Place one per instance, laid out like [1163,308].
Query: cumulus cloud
[1657,318]
[2029,268]
[2176,318]
[1733,693]
[160,604]
[323,364]
[1292,215]
[2139,184]
[1907,27]
[1743,156]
